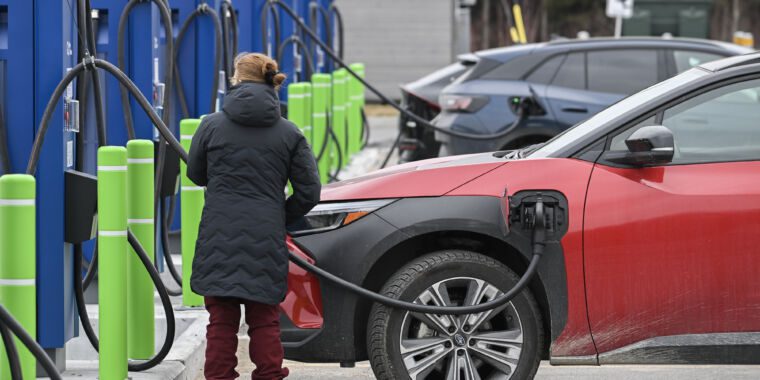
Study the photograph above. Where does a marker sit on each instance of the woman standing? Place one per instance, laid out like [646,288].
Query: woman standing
[245,155]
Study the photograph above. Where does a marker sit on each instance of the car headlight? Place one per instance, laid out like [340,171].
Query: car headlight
[329,216]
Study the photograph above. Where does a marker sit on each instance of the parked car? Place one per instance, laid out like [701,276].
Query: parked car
[570,79]
[652,209]
[421,98]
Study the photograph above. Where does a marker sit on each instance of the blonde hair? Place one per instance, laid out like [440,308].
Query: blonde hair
[257,67]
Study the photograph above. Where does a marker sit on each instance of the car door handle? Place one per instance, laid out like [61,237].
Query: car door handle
[575,109]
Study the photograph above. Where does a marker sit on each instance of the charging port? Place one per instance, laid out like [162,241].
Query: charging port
[523,211]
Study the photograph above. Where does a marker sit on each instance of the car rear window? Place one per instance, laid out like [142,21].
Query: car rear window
[621,71]
[572,73]
[545,73]
[515,68]
[477,70]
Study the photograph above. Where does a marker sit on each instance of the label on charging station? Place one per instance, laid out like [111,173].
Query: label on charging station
[221,90]
[158,95]
[69,153]
[320,58]
[71,115]
[158,103]
[70,109]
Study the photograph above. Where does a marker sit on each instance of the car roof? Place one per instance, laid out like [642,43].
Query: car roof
[731,62]
[506,53]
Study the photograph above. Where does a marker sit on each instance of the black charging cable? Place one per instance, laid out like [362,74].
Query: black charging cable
[88,50]
[266,11]
[339,149]
[230,32]
[136,366]
[165,219]
[539,242]
[202,9]
[386,100]
[521,116]
[365,128]
[295,40]
[166,20]
[7,321]
[334,13]
[172,142]
[14,362]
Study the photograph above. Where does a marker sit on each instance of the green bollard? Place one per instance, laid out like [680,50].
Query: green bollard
[299,107]
[191,209]
[17,264]
[332,152]
[296,104]
[140,303]
[356,104]
[295,113]
[321,93]
[339,113]
[112,263]
[308,128]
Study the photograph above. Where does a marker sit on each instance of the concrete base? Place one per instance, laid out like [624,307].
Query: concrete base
[185,360]
[58,355]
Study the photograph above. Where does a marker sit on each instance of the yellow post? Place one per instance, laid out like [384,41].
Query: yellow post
[517,11]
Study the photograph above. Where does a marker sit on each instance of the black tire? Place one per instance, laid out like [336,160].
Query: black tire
[386,324]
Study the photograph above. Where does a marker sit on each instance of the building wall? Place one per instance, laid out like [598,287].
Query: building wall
[398,40]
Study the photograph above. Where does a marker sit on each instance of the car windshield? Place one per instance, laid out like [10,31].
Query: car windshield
[580,130]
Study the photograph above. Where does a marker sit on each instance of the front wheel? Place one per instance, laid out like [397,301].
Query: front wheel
[500,344]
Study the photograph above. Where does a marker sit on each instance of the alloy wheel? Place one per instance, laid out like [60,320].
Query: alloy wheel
[486,345]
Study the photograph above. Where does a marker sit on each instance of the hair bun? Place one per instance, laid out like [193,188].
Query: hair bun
[257,67]
[269,77]
[278,79]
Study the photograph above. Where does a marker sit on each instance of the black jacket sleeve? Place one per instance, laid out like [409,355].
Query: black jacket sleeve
[304,177]
[196,162]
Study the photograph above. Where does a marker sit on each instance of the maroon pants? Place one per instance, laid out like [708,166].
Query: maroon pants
[221,334]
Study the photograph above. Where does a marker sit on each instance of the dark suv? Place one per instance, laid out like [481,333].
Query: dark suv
[570,80]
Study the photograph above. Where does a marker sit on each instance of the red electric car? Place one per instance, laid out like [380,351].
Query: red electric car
[653,254]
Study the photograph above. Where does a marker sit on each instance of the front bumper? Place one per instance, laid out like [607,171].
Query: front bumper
[343,252]
[350,252]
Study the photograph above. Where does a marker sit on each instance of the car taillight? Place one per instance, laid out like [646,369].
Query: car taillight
[410,98]
[462,103]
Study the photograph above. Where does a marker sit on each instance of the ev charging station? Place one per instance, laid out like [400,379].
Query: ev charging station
[32,67]
[40,42]
[39,46]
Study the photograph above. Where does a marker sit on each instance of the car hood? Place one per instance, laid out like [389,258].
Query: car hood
[427,178]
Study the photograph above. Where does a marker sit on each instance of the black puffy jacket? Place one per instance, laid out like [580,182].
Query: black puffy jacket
[245,156]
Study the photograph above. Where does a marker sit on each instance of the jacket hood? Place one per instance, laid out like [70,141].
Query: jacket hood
[252,104]
[427,178]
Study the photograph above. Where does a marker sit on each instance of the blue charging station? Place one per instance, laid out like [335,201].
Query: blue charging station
[17,90]
[53,55]
[38,43]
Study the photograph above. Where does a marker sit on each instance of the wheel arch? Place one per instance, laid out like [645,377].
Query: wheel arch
[416,246]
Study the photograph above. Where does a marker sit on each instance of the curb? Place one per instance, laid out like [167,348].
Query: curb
[190,350]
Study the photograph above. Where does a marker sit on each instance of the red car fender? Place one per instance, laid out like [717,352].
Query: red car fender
[303,301]
[570,177]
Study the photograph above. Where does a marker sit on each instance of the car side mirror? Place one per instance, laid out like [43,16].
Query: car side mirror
[652,145]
